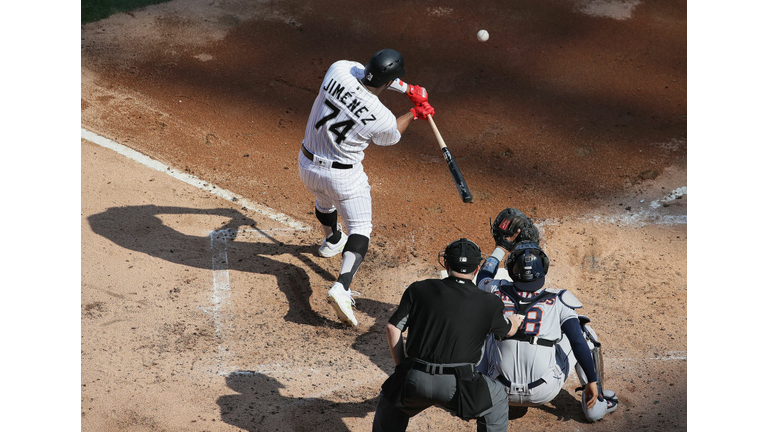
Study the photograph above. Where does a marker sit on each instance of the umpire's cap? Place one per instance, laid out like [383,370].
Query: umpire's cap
[462,255]
[527,266]
[383,67]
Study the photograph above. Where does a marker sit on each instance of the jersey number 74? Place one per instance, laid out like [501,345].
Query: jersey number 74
[340,129]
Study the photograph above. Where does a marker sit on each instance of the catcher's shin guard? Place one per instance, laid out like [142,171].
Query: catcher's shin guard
[594,348]
[607,401]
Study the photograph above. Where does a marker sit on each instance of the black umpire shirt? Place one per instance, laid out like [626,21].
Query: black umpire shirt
[448,320]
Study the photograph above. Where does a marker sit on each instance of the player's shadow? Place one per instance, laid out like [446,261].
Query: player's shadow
[139,228]
[373,343]
[259,406]
[565,407]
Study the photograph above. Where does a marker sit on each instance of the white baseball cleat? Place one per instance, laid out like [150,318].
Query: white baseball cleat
[328,250]
[342,302]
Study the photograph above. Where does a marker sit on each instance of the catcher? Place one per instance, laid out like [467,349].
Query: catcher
[534,363]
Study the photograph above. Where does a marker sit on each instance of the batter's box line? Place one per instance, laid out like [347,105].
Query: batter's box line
[221,303]
[192,180]
[669,356]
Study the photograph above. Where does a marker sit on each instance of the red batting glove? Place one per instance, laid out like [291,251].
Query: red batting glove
[417,95]
[422,111]
[428,110]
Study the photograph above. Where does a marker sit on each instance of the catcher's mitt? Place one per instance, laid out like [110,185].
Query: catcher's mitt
[507,223]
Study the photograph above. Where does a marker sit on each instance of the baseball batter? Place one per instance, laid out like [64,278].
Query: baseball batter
[535,362]
[346,117]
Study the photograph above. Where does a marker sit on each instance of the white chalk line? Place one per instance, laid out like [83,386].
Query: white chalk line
[221,311]
[192,180]
[221,308]
[671,356]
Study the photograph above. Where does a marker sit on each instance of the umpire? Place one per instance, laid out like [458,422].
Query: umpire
[447,322]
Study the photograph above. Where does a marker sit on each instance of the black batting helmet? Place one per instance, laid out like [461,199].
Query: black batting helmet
[527,266]
[383,67]
[462,256]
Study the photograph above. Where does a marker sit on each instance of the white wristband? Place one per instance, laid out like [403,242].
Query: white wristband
[399,86]
[499,253]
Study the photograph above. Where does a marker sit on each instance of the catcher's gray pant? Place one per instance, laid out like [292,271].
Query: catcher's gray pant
[553,380]
[431,390]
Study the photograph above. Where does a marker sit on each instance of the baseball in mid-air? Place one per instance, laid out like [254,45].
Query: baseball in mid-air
[483,35]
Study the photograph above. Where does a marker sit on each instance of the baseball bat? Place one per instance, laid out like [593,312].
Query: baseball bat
[461,185]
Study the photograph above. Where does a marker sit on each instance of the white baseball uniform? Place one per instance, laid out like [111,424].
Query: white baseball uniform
[346,117]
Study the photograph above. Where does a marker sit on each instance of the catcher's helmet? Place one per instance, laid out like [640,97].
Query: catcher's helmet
[527,265]
[461,255]
[383,67]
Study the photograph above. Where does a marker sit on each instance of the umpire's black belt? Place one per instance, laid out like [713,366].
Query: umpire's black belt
[311,157]
[438,369]
[532,385]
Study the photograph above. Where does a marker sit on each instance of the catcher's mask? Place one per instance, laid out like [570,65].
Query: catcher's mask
[383,67]
[461,255]
[527,266]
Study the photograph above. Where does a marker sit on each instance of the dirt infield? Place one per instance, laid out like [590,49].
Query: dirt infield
[201,313]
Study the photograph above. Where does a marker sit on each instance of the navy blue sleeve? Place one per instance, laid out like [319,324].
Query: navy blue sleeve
[488,270]
[572,329]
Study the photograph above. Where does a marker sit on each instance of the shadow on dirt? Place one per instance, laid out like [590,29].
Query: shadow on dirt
[140,229]
[259,406]
[565,407]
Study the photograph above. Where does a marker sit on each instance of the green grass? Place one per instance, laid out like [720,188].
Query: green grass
[94,10]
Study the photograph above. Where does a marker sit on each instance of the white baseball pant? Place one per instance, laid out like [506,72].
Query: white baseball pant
[344,190]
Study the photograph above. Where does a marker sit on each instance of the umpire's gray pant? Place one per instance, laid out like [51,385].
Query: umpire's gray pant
[426,390]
